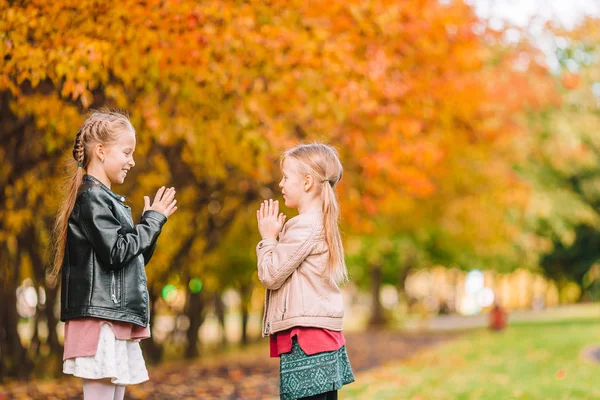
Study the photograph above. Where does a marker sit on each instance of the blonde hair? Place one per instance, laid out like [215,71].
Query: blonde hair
[102,126]
[322,163]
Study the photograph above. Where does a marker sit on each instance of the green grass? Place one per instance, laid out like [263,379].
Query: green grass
[527,361]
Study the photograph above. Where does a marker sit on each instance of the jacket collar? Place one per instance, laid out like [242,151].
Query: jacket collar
[90,178]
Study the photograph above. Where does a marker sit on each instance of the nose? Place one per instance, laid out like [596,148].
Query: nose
[281,183]
[132,162]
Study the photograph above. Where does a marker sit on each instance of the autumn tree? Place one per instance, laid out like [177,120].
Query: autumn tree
[563,163]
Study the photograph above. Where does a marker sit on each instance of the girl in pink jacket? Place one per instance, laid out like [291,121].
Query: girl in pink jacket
[301,272]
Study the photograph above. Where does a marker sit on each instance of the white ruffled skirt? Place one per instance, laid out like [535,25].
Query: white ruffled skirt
[119,360]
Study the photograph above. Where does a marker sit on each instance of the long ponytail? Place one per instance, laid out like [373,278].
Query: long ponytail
[71,186]
[333,238]
[62,220]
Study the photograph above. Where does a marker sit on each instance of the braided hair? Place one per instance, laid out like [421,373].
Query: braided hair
[79,149]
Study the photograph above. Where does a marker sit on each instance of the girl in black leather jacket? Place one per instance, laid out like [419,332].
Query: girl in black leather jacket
[101,256]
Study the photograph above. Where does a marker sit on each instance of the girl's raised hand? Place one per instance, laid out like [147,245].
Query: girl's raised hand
[270,221]
[164,202]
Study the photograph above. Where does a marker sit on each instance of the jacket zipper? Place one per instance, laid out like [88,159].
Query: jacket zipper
[113,288]
[267,326]
[285,299]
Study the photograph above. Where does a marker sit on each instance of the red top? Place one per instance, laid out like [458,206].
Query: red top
[82,334]
[311,340]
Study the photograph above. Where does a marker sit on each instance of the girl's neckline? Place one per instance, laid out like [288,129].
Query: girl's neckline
[103,186]
[311,212]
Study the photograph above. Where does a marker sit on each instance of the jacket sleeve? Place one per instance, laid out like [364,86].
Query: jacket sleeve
[104,231]
[150,251]
[277,260]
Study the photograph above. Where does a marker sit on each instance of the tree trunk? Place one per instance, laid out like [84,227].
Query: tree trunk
[51,299]
[153,351]
[220,312]
[32,245]
[377,313]
[245,294]
[409,265]
[15,356]
[195,312]
[35,343]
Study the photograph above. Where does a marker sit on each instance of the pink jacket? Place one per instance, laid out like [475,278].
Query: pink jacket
[293,271]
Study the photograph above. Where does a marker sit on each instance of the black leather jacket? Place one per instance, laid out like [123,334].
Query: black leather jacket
[103,272]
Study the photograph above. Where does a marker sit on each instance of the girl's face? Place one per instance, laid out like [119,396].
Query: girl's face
[118,157]
[292,184]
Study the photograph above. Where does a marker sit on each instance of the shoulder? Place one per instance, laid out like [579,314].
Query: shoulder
[304,224]
[92,190]
[91,194]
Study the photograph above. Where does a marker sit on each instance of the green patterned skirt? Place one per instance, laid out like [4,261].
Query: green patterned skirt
[302,375]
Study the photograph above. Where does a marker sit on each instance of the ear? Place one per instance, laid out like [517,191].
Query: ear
[309,182]
[99,150]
